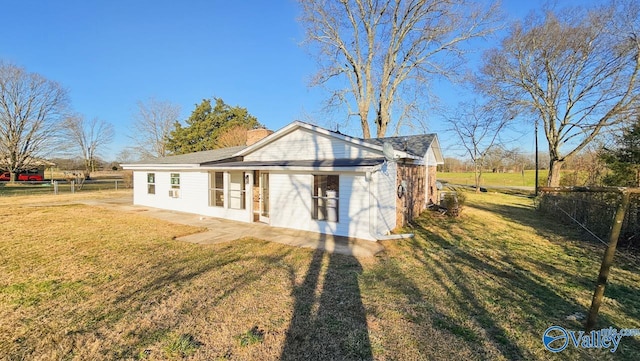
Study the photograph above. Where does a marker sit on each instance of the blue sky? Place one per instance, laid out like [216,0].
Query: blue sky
[111,54]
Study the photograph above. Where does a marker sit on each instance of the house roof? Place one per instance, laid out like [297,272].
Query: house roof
[413,144]
[413,147]
[316,164]
[206,156]
[319,130]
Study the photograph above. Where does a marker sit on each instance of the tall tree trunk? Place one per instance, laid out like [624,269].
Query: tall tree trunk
[476,175]
[366,134]
[553,180]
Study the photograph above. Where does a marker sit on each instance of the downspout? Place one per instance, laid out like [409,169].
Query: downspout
[372,231]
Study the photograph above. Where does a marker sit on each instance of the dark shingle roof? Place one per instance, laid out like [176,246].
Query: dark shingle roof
[414,144]
[319,163]
[206,156]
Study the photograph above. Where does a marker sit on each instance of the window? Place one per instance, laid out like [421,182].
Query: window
[175,180]
[151,183]
[216,190]
[237,199]
[325,197]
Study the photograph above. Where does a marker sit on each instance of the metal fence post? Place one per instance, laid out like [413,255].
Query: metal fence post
[72,187]
[55,187]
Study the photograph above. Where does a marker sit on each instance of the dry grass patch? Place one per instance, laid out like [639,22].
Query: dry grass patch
[87,283]
[487,285]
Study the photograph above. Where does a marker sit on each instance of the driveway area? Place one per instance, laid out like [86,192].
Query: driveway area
[222,230]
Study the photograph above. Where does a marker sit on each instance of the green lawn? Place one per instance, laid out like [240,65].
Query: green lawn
[496,179]
[81,282]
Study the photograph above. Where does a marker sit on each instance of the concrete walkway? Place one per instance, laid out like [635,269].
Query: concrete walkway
[223,230]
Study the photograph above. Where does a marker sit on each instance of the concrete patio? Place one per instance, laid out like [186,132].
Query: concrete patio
[222,230]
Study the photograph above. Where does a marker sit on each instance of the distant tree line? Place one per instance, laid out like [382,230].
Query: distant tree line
[496,160]
[36,122]
[158,132]
[614,161]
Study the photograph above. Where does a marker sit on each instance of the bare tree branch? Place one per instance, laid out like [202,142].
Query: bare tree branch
[31,108]
[87,139]
[576,71]
[477,128]
[388,49]
[151,127]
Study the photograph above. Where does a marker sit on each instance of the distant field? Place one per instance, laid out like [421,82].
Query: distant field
[496,179]
[32,188]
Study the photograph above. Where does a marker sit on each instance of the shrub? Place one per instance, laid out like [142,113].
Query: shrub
[454,202]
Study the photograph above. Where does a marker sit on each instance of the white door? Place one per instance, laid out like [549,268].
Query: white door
[264,197]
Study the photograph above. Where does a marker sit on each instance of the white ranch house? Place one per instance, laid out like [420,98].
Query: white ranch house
[301,177]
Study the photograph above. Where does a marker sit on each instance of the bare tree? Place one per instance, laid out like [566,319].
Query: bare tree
[87,139]
[477,128]
[234,136]
[126,155]
[31,108]
[152,124]
[386,50]
[576,71]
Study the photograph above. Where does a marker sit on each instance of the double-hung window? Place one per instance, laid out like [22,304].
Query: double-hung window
[174,192]
[325,197]
[151,183]
[175,180]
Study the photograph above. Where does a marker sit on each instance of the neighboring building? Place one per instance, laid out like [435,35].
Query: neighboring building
[301,177]
[33,167]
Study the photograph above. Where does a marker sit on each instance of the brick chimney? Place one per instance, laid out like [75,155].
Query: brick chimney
[255,135]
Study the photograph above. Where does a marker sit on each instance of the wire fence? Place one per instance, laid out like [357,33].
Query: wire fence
[61,187]
[593,212]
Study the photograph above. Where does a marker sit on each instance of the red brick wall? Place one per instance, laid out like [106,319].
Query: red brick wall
[412,202]
[255,135]
[432,191]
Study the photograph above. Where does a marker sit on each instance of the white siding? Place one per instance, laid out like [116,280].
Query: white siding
[291,202]
[430,157]
[303,144]
[194,195]
[384,190]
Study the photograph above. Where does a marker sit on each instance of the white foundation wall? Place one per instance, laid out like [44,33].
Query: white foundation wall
[193,198]
[291,204]
[303,144]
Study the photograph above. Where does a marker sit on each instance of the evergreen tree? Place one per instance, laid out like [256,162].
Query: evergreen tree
[624,161]
[206,124]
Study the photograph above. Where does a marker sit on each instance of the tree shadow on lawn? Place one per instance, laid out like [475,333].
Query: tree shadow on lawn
[589,248]
[330,325]
[505,300]
[532,291]
[159,283]
[551,228]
